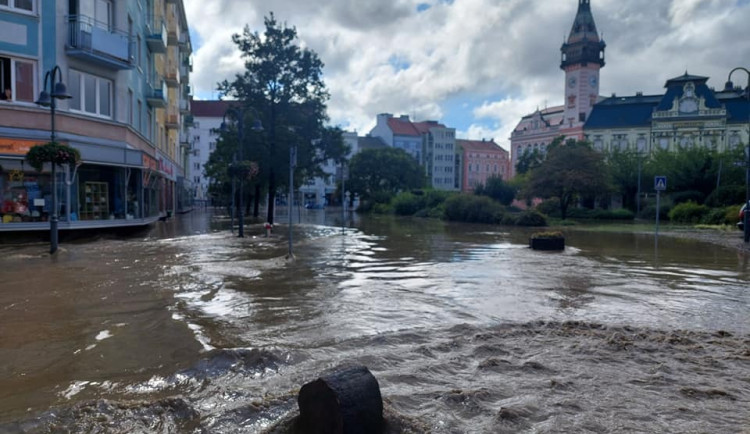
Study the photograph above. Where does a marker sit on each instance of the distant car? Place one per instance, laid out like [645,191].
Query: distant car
[741,223]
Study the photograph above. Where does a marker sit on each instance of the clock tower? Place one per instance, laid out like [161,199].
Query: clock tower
[582,58]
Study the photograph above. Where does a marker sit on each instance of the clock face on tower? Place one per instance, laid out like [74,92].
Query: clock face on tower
[592,81]
[572,81]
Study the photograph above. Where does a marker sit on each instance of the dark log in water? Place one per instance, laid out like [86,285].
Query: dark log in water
[547,243]
[345,402]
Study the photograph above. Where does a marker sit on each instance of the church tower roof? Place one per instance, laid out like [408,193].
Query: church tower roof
[583,45]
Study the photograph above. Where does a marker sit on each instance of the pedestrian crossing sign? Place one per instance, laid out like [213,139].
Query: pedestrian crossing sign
[660,183]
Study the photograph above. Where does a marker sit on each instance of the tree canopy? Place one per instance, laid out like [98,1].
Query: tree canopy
[282,85]
[497,189]
[384,172]
[570,171]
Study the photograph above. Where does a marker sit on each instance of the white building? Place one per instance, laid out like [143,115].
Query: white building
[207,118]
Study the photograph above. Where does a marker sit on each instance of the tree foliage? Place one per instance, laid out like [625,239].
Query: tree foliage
[282,85]
[569,172]
[381,173]
[528,160]
[497,189]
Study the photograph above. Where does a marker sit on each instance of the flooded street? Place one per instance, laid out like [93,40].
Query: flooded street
[187,328]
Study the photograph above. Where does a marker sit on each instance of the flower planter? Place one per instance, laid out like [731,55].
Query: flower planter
[552,244]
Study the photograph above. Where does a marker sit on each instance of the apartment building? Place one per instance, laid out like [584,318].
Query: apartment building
[125,66]
[482,159]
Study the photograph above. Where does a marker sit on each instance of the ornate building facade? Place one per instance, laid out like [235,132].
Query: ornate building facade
[689,113]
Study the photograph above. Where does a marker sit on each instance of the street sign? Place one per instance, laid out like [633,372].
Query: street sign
[660,183]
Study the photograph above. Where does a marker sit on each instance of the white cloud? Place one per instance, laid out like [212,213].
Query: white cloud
[502,52]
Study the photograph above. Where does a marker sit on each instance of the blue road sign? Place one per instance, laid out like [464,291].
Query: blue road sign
[660,183]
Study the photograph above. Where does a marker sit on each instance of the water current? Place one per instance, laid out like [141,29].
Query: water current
[188,328]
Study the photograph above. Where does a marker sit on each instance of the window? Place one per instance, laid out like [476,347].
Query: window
[25,5]
[93,95]
[211,146]
[130,107]
[138,116]
[197,166]
[18,76]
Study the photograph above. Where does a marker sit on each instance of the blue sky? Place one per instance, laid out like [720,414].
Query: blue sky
[475,65]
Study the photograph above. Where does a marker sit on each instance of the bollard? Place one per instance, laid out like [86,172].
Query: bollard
[345,402]
[268,227]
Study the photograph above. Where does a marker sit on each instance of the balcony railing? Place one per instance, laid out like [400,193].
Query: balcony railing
[156,34]
[156,96]
[99,43]
[184,106]
[173,119]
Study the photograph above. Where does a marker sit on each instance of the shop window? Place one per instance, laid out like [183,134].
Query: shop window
[16,80]
[91,94]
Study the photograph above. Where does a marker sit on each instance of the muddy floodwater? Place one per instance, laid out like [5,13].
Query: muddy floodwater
[187,328]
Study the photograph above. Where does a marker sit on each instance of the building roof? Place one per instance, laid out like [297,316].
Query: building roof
[480,146]
[738,110]
[620,112]
[210,109]
[424,127]
[401,127]
[676,89]
[370,142]
[584,27]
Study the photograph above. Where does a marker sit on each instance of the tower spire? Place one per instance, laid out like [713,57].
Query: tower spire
[583,45]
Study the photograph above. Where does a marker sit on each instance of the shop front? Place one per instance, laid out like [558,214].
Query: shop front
[110,188]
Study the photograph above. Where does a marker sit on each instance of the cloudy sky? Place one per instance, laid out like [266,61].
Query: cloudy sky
[475,65]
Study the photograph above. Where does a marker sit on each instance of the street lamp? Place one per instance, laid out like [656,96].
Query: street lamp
[47,99]
[730,86]
[292,165]
[239,116]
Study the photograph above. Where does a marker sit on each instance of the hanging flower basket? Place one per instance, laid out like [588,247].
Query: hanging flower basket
[244,169]
[52,152]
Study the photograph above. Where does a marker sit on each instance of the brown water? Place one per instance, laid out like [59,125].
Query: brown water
[190,329]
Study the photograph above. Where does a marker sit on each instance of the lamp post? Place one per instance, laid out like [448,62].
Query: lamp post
[730,86]
[343,198]
[292,165]
[47,99]
[239,116]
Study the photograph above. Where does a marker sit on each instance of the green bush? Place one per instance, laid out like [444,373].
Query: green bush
[688,212]
[382,208]
[532,218]
[509,219]
[407,204]
[722,216]
[726,195]
[688,196]
[473,209]
[649,213]
[616,214]
[550,207]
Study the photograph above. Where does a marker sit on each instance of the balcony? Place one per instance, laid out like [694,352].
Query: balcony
[189,121]
[186,139]
[172,120]
[156,34]
[172,75]
[157,96]
[185,69]
[173,30]
[185,106]
[98,43]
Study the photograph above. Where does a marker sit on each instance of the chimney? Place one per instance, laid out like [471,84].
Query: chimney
[639,93]
[404,118]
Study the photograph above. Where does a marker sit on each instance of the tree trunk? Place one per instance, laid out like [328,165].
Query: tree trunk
[256,201]
[271,195]
[345,402]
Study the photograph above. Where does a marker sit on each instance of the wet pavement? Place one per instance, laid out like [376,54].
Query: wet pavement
[187,328]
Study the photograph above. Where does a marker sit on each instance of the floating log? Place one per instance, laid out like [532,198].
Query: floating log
[345,402]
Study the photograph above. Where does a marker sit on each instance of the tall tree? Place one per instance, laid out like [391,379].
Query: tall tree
[569,172]
[283,85]
[381,173]
[497,189]
[623,169]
